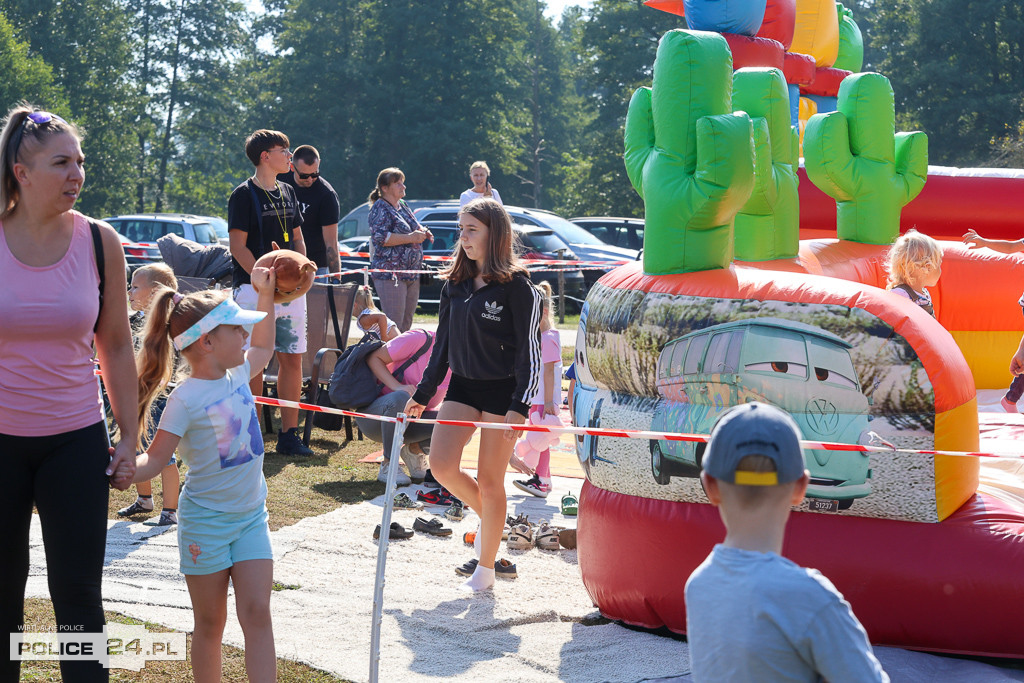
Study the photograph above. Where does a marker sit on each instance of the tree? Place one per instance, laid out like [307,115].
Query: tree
[26,77]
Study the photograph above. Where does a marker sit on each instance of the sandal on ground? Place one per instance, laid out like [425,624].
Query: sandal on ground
[431,526]
[397,531]
[520,538]
[570,505]
[546,537]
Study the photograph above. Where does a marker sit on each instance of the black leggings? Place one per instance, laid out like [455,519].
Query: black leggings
[64,476]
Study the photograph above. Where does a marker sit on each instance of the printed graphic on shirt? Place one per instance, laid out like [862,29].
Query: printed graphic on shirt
[493,311]
[238,433]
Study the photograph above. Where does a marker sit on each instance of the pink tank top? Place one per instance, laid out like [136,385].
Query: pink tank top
[47,314]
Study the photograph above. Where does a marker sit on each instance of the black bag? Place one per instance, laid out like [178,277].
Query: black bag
[353,385]
[352,381]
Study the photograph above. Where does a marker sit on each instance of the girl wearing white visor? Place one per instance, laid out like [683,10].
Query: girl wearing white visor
[211,420]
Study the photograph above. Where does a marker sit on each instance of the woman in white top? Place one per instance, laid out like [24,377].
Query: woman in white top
[480,174]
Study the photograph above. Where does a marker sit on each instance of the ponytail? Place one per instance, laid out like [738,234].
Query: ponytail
[155,358]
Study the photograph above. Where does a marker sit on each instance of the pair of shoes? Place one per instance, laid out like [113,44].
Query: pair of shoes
[570,505]
[520,537]
[567,538]
[397,531]
[429,481]
[289,443]
[135,508]
[414,462]
[546,537]
[533,486]
[440,497]
[502,568]
[166,518]
[431,526]
[455,511]
[1008,405]
[404,502]
[401,479]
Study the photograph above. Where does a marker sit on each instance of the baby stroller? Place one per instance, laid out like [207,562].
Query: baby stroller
[196,266]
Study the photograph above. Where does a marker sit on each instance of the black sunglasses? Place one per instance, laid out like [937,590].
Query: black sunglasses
[39,118]
[307,176]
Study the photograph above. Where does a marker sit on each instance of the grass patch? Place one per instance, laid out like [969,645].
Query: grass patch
[39,613]
[299,487]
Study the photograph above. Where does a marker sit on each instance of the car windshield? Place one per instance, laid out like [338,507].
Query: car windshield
[543,241]
[570,232]
[220,226]
[205,234]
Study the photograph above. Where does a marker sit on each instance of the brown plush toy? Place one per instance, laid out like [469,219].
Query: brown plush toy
[294,273]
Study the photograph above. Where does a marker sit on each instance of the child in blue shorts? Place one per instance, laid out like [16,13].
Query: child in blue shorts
[210,419]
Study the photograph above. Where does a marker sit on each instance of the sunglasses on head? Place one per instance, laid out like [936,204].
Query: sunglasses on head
[307,176]
[39,118]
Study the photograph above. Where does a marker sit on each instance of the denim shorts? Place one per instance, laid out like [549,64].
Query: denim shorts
[210,541]
[289,319]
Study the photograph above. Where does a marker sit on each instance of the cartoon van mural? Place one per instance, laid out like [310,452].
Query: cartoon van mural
[800,368]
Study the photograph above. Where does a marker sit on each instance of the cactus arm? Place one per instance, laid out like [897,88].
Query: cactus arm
[828,160]
[638,137]
[912,162]
[725,169]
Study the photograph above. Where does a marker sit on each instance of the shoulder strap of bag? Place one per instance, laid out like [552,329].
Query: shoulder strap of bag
[97,246]
[412,359]
[334,315]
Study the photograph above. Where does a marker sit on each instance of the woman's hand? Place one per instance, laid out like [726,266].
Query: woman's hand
[121,469]
[513,418]
[413,409]
[263,279]
[550,408]
[419,236]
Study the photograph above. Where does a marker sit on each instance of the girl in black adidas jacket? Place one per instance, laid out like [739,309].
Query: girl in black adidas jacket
[488,333]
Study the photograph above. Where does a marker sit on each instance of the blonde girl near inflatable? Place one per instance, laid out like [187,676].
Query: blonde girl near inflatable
[210,419]
[488,334]
[915,263]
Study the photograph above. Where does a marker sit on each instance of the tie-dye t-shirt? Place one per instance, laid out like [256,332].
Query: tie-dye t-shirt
[221,441]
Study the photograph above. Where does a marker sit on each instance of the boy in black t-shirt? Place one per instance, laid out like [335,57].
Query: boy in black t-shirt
[262,211]
[320,209]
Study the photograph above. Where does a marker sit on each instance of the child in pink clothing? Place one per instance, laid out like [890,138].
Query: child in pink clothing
[548,398]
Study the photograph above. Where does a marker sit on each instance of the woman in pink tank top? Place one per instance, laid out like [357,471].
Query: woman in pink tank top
[53,438]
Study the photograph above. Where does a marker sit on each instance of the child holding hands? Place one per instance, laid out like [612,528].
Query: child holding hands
[211,420]
[975,241]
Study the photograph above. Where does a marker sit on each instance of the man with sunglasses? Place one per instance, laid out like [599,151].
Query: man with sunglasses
[320,209]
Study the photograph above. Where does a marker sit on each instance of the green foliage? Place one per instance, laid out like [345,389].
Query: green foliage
[26,77]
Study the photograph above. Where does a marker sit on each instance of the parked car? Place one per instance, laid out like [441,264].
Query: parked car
[354,223]
[618,232]
[137,255]
[802,369]
[537,243]
[150,227]
[585,246]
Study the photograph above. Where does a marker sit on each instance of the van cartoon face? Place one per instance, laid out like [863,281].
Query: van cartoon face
[802,369]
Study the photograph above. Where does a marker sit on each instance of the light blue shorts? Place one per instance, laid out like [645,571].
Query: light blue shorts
[210,541]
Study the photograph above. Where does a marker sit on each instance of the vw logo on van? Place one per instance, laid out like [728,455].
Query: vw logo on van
[822,416]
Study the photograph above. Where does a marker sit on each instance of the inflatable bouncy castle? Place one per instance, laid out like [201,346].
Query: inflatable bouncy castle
[729,305]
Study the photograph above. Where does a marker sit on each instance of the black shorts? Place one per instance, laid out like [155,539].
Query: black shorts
[486,395]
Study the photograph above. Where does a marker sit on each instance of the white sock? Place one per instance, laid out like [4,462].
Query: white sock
[476,542]
[544,480]
[482,579]
[146,502]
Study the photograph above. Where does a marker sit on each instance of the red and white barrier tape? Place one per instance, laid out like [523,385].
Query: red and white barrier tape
[619,433]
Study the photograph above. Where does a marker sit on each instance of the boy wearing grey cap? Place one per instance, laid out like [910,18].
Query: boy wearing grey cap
[752,615]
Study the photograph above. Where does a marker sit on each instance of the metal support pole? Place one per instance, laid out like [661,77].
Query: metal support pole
[382,546]
[366,277]
[561,287]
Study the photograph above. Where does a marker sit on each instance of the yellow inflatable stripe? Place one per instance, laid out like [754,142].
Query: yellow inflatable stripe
[956,477]
[988,354]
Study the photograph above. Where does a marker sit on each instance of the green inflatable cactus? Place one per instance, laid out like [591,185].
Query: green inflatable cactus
[688,156]
[856,157]
[768,225]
